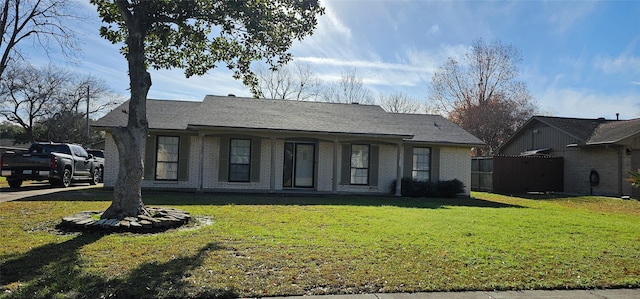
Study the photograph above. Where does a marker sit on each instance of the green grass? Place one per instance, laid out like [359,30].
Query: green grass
[250,246]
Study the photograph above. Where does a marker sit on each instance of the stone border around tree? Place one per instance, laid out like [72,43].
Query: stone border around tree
[160,219]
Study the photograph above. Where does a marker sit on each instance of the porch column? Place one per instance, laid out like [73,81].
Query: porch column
[334,181]
[272,179]
[399,173]
[201,166]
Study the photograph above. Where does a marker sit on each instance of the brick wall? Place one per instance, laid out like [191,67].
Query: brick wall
[325,166]
[578,163]
[455,163]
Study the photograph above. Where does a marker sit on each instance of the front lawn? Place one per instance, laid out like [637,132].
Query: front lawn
[252,246]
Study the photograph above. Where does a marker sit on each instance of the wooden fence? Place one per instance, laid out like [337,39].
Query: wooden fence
[518,174]
[481,172]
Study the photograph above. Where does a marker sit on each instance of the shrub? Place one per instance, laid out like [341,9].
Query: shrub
[414,188]
[449,189]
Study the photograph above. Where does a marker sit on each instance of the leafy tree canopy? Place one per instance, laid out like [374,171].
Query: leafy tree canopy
[198,35]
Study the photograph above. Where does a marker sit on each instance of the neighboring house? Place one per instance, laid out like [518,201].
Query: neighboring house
[259,145]
[592,149]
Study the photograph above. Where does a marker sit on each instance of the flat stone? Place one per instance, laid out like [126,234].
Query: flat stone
[135,224]
[160,219]
[125,223]
[85,222]
[146,224]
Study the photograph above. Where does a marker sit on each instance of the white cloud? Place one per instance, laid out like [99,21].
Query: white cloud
[564,16]
[622,63]
[433,30]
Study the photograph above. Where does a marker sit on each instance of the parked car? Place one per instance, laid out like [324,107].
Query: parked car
[98,156]
[59,163]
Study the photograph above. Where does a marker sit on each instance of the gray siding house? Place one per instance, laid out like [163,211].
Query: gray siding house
[227,143]
[608,148]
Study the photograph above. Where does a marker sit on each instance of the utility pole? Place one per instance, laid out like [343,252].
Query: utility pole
[88,132]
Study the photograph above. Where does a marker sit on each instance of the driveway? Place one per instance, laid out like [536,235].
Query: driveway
[35,189]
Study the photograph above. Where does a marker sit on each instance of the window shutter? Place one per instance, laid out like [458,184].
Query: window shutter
[183,158]
[345,165]
[407,165]
[150,157]
[374,158]
[256,150]
[223,161]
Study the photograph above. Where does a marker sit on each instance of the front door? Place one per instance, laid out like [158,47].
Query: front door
[299,166]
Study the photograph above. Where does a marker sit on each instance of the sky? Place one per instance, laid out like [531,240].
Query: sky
[580,58]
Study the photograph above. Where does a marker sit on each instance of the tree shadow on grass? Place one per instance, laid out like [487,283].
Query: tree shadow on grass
[169,198]
[56,271]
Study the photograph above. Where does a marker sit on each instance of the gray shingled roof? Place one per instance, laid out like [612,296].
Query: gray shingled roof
[588,131]
[615,131]
[580,128]
[319,117]
[433,129]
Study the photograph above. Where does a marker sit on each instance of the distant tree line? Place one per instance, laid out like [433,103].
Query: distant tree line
[50,104]
[298,81]
[480,92]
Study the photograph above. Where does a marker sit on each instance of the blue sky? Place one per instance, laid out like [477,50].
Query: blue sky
[580,58]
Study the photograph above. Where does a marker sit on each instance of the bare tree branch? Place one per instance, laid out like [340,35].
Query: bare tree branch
[482,94]
[44,21]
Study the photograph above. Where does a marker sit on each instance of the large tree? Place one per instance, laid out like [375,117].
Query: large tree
[43,22]
[50,103]
[481,93]
[28,95]
[195,36]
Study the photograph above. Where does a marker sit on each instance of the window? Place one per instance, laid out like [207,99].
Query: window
[421,163]
[167,158]
[239,160]
[359,164]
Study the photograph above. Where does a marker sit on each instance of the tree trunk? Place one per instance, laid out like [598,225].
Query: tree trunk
[130,141]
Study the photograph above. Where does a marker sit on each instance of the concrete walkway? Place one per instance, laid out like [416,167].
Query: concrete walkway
[554,294]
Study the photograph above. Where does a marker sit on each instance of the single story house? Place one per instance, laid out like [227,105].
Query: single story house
[598,154]
[228,143]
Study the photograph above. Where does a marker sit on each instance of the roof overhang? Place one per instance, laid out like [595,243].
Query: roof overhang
[205,128]
[444,143]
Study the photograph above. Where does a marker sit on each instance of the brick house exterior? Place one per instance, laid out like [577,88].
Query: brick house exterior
[277,146]
[609,148]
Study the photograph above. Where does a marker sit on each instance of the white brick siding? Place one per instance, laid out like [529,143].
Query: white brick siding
[325,166]
[388,167]
[111,161]
[455,163]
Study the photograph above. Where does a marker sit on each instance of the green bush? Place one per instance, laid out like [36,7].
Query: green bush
[414,188]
